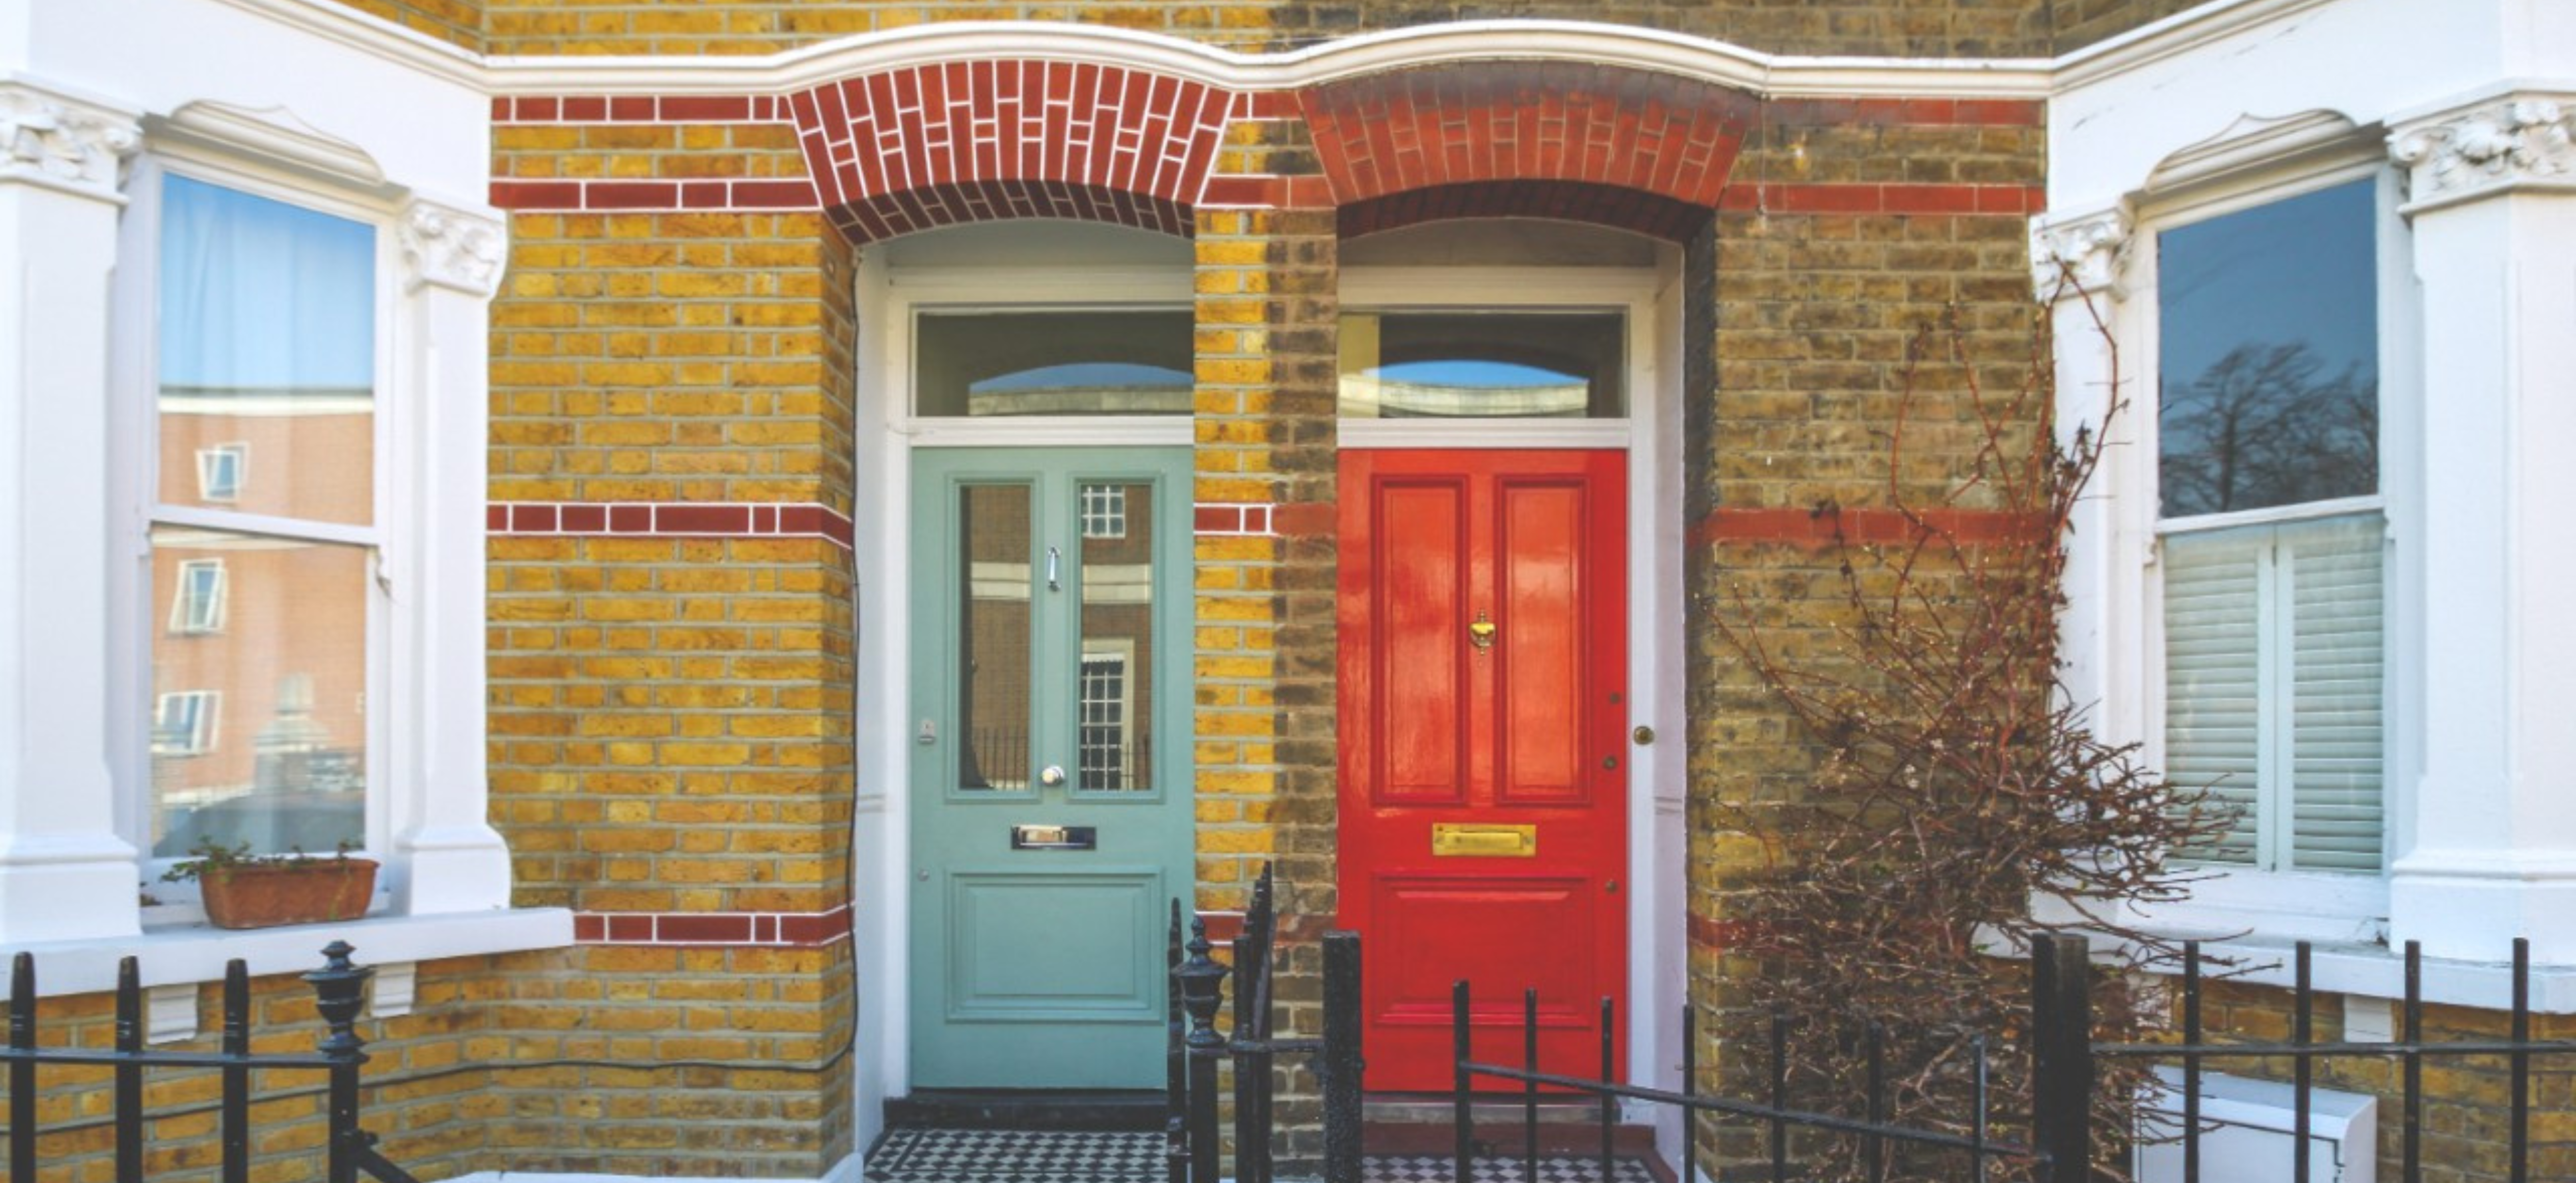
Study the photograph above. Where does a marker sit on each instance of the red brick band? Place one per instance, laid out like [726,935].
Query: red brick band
[739,196]
[937,145]
[1227,518]
[684,520]
[805,930]
[1880,527]
[2013,200]
[740,108]
[702,520]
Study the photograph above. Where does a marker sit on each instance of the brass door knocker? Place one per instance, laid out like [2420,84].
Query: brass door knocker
[1481,633]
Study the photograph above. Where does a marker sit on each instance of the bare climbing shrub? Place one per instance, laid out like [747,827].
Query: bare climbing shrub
[1959,803]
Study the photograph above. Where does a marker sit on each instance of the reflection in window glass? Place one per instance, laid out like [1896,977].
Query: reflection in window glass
[1116,737]
[1053,363]
[1501,365]
[259,728]
[2269,355]
[993,645]
[267,339]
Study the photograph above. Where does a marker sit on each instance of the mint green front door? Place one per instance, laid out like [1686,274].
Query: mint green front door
[1051,785]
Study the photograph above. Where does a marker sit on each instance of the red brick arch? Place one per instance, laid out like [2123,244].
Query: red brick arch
[940,145]
[1608,144]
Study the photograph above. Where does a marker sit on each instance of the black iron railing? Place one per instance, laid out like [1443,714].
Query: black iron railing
[1877,1134]
[2067,958]
[339,988]
[2062,1146]
[1196,1049]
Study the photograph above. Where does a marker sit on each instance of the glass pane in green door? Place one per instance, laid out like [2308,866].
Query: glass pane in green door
[1115,718]
[993,643]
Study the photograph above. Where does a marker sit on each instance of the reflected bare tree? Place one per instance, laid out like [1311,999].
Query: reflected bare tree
[2267,425]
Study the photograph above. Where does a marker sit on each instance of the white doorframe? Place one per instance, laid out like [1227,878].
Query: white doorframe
[1651,435]
[887,432]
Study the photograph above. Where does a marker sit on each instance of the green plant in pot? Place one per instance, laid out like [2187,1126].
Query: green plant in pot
[245,890]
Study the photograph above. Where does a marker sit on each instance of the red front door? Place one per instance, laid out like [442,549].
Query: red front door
[1484,634]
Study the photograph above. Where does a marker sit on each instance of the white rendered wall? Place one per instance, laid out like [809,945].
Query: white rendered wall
[2481,784]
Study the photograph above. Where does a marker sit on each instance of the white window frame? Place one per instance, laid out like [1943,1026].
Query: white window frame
[1120,652]
[202,725]
[1110,521]
[199,614]
[139,276]
[2288,904]
[212,459]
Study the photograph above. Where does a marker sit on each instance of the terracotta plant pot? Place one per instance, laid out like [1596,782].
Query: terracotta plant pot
[308,892]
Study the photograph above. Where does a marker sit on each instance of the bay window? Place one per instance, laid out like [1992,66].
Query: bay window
[2271,527]
[267,329]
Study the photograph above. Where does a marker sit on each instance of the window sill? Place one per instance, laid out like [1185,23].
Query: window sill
[192,953]
[2375,971]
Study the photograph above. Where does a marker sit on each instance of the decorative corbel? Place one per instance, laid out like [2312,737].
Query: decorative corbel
[61,143]
[2079,255]
[2519,141]
[453,248]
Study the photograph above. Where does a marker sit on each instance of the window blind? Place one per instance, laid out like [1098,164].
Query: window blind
[2274,645]
[2214,679]
[2335,694]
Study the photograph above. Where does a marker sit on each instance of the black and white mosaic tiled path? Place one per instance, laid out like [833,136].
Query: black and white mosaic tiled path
[1016,1156]
[1434,1168]
[1044,1156]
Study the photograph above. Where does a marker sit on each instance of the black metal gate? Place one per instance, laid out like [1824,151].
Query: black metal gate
[1196,1049]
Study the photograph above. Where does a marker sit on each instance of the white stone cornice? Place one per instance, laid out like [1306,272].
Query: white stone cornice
[1586,42]
[63,143]
[451,247]
[2514,142]
[2079,254]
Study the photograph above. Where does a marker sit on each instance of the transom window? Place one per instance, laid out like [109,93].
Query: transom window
[1489,364]
[1002,362]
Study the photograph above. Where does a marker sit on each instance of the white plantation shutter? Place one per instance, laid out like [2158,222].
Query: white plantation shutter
[2213,678]
[2336,651]
[2273,688]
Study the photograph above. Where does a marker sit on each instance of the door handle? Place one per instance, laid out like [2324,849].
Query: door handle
[1481,632]
[1055,559]
[1052,776]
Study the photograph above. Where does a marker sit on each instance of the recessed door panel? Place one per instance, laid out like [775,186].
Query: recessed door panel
[1483,732]
[1422,527]
[1541,689]
[1049,650]
[1462,926]
[1054,947]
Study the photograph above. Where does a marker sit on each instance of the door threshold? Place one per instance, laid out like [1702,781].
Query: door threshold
[1090,1110]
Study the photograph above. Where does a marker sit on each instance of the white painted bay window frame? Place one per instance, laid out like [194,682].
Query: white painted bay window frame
[2334,906]
[137,462]
[2115,622]
[2476,239]
[76,624]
